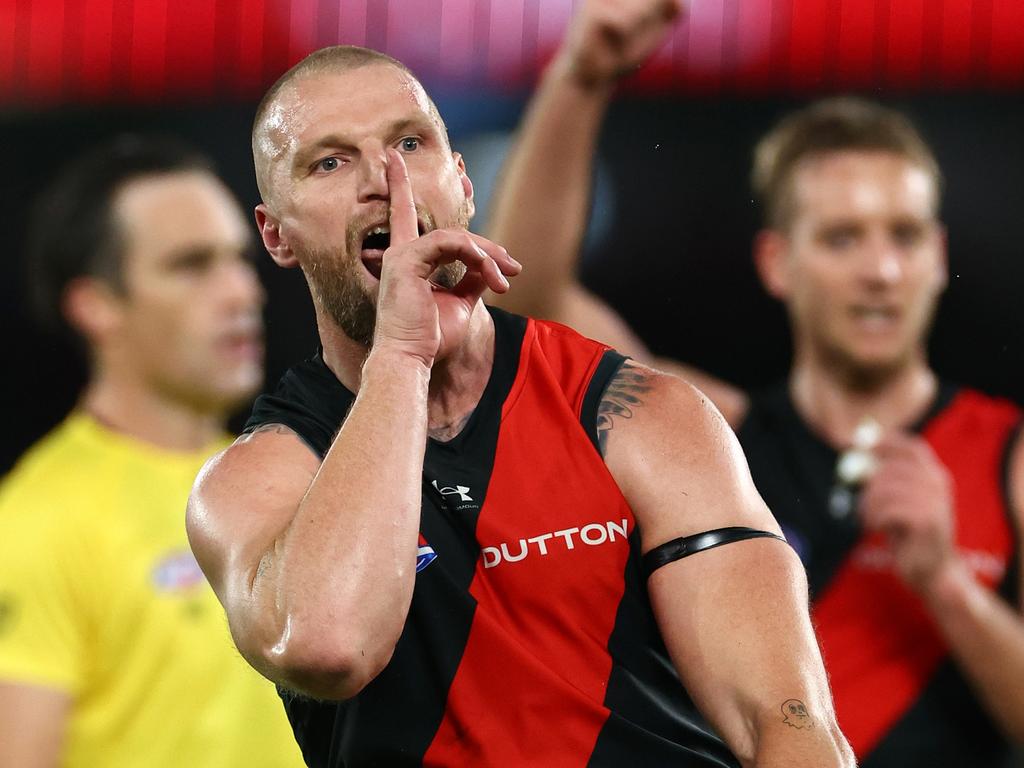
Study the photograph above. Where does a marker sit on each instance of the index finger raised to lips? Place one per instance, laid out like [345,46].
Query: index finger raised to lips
[402,216]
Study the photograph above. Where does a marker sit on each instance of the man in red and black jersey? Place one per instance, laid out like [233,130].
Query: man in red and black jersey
[911,540]
[457,537]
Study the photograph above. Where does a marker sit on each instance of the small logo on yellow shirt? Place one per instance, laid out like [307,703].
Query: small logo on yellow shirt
[177,572]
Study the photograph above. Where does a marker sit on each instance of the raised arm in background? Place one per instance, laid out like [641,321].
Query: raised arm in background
[540,205]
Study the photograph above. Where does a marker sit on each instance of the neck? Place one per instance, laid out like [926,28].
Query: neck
[457,381]
[833,401]
[125,405]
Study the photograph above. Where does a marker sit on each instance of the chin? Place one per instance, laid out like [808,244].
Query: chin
[872,370]
[238,391]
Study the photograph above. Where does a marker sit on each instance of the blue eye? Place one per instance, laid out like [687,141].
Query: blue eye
[328,164]
[410,144]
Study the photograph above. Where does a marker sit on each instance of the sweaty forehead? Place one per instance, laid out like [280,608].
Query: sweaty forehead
[338,101]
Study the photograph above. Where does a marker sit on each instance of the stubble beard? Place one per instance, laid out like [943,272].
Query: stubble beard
[336,279]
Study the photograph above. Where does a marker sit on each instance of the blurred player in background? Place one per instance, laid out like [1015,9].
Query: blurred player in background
[113,649]
[903,493]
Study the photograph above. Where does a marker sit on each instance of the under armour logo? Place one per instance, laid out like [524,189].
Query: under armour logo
[462,491]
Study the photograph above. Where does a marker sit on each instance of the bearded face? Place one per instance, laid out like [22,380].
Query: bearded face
[344,281]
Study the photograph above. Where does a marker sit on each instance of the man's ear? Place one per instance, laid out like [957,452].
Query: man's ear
[92,308]
[770,259]
[273,241]
[467,183]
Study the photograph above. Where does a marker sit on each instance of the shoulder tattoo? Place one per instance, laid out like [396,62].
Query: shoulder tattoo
[625,392]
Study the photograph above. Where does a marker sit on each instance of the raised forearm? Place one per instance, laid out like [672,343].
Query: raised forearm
[986,637]
[342,575]
[541,203]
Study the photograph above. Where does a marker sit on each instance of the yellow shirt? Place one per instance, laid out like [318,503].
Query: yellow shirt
[100,597]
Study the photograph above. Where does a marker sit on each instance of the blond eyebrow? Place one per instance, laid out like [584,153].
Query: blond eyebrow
[333,141]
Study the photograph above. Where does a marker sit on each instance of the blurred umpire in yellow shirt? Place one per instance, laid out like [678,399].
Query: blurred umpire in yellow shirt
[113,649]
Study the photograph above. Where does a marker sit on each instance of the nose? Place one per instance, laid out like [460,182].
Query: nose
[882,264]
[372,179]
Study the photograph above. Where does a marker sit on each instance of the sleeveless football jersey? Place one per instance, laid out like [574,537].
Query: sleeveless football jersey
[899,698]
[530,639]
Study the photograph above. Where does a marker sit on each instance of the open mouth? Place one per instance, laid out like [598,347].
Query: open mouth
[377,240]
[875,318]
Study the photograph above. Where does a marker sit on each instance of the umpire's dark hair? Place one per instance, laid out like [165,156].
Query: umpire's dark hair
[72,228]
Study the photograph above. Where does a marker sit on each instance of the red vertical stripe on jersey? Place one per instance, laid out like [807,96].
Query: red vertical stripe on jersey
[880,645]
[532,681]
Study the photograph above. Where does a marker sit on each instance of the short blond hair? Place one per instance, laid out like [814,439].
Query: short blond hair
[831,125]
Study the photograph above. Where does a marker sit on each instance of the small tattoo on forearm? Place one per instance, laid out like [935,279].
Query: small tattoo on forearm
[794,714]
[620,399]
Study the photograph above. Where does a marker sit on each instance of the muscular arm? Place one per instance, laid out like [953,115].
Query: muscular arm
[314,564]
[734,618]
[32,723]
[540,205]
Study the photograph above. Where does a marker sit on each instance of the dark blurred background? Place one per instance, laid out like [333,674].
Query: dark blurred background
[673,220]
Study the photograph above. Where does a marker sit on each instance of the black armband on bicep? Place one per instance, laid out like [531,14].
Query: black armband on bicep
[677,549]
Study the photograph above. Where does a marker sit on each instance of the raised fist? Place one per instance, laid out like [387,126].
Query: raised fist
[610,38]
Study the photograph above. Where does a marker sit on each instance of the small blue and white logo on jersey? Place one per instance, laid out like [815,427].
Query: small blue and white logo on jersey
[425,554]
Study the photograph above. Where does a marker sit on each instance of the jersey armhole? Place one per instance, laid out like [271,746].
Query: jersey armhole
[295,424]
[610,363]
